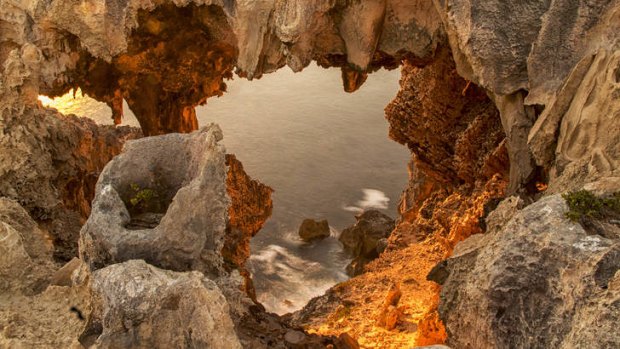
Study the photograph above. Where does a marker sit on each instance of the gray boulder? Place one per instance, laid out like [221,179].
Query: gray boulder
[313,230]
[163,199]
[363,240]
[137,305]
[535,280]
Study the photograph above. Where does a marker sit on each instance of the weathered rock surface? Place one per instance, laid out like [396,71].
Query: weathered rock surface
[25,253]
[137,305]
[49,163]
[539,281]
[313,230]
[362,239]
[250,207]
[452,127]
[186,176]
[550,68]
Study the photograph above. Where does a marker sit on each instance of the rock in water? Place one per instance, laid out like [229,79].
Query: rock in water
[140,306]
[313,230]
[363,239]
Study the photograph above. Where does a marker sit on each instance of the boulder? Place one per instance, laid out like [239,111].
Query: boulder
[535,280]
[25,255]
[313,230]
[363,240]
[137,305]
[179,178]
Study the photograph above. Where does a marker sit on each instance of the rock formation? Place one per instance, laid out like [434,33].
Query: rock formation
[496,98]
[51,166]
[313,230]
[363,239]
[190,308]
[187,178]
[534,280]
[25,256]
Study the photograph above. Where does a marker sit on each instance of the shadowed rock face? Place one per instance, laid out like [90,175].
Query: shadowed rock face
[51,166]
[176,59]
[362,239]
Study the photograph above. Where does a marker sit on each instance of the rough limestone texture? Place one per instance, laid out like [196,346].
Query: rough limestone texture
[362,240]
[537,281]
[186,175]
[520,54]
[140,306]
[49,163]
[25,252]
[586,117]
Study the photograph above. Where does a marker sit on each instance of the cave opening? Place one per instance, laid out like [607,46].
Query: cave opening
[325,152]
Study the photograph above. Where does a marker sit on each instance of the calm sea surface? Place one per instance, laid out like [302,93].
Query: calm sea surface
[327,155]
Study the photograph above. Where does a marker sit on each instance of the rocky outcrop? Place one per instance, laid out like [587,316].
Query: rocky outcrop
[458,170]
[313,230]
[491,92]
[535,280]
[137,305]
[363,240]
[25,256]
[183,179]
[50,164]
[452,127]
[513,52]
[167,57]
[250,207]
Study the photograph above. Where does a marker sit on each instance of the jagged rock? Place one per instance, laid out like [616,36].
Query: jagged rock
[538,281]
[185,176]
[140,306]
[574,132]
[361,239]
[457,134]
[250,207]
[25,255]
[389,314]
[313,230]
[56,184]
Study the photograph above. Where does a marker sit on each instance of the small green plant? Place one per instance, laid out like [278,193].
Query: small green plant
[583,204]
[143,198]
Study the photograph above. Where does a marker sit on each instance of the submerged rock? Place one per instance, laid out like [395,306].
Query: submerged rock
[313,230]
[538,281]
[363,240]
[140,306]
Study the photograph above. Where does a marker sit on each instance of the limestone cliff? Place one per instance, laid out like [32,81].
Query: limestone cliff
[496,98]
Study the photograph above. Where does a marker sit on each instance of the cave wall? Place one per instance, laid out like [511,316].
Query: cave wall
[496,97]
[166,58]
